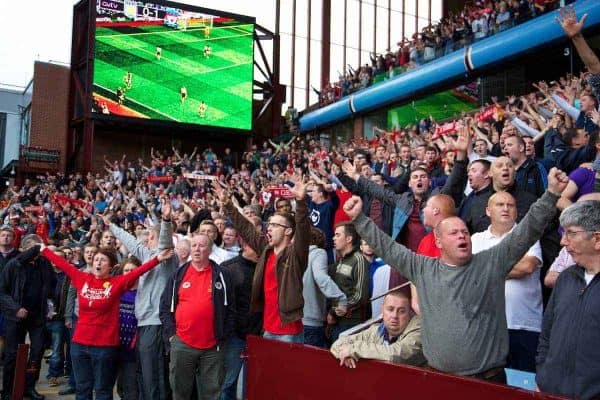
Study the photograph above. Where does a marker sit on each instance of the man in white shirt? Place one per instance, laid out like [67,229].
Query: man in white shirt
[523,288]
[218,255]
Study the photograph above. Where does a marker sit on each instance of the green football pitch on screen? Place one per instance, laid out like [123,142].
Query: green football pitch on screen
[440,106]
[195,76]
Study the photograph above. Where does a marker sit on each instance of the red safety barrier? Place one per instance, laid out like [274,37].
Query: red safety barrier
[278,370]
[20,372]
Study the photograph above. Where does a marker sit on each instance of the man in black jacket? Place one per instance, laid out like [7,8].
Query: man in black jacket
[241,270]
[568,351]
[7,252]
[197,310]
[26,283]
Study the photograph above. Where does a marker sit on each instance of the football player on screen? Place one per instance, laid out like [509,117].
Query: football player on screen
[127,80]
[202,109]
[120,95]
[158,53]
[207,51]
[183,92]
[206,32]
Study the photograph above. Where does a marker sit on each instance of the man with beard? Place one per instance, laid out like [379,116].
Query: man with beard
[280,266]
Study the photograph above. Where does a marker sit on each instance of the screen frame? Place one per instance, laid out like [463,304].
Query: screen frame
[146,122]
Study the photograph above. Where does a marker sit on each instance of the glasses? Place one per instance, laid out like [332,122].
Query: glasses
[276,225]
[571,234]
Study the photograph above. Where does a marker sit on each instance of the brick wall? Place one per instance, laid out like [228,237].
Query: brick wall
[49,107]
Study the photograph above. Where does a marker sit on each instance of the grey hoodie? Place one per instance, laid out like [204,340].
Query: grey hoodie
[317,288]
[153,282]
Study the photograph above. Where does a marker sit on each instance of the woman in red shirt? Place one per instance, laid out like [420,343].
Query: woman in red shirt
[95,343]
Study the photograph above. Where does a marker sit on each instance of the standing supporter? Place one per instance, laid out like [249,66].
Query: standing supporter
[7,252]
[318,288]
[581,180]
[150,287]
[407,227]
[230,242]
[379,276]
[26,283]
[277,283]
[461,294]
[197,310]
[564,260]
[321,213]
[567,358]
[241,271]
[396,339]
[72,313]
[379,166]
[56,321]
[351,274]
[128,378]
[94,348]
[480,181]
[183,250]
[530,176]
[380,212]
[218,255]
[523,290]
[503,179]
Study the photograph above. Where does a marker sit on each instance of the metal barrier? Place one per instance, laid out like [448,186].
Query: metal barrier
[278,370]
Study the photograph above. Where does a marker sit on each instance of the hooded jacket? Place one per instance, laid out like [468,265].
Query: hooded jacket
[223,303]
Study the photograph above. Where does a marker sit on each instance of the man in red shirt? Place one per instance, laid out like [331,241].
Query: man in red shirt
[277,284]
[197,313]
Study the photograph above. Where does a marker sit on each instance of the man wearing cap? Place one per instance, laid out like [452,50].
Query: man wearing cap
[397,338]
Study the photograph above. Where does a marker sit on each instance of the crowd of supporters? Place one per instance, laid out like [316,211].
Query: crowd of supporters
[271,244]
[475,22]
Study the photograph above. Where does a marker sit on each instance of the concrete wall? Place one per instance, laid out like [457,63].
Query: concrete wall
[11,101]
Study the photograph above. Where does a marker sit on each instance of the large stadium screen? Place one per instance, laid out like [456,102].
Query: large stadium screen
[173,62]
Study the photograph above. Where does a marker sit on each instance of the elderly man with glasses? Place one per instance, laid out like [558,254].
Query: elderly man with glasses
[568,352]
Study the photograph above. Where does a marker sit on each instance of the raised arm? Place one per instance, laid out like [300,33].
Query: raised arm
[61,263]
[393,253]
[302,233]
[257,241]
[147,266]
[572,27]
[516,244]
[456,182]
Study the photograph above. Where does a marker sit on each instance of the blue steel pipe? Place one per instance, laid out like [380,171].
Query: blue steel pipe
[476,58]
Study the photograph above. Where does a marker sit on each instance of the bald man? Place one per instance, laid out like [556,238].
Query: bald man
[461,294]
[437,208]
[522,289]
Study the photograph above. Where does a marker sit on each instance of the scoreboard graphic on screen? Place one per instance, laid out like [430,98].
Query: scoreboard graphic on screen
[174,63]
